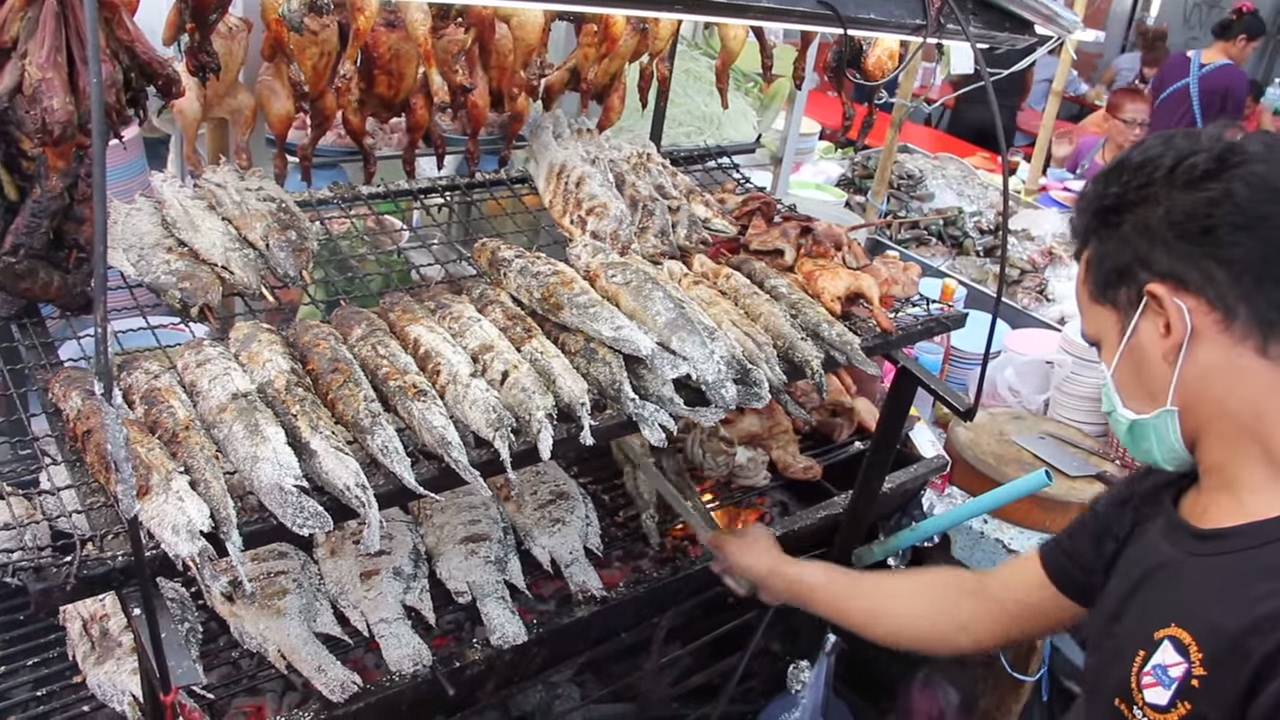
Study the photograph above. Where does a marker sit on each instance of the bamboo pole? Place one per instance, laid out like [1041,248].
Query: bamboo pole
[1044,138]
[889,148]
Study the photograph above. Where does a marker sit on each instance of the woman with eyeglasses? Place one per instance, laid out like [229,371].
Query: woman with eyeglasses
[1201,87]
[1127,118]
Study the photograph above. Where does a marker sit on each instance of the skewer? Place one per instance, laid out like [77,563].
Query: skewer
[899,221]
[208,313]
[267,294]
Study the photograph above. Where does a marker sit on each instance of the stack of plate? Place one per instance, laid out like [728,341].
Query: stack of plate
[967,346]
[1076,398]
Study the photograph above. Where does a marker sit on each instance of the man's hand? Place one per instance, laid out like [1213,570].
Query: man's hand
[752,554]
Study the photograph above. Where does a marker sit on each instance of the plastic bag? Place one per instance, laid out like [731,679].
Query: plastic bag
[1018,382]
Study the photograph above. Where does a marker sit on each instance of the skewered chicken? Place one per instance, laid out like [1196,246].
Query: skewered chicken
[199,21]
[219,96]
[732,39]
[897,279]
[297,75]
[770,429]
[834,285]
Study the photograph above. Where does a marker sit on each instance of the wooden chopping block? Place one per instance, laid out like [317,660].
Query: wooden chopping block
[984,456]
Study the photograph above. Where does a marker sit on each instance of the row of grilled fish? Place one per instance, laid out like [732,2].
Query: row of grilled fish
[624,195]
[229,233]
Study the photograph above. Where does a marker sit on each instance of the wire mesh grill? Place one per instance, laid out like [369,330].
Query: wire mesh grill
[399,236]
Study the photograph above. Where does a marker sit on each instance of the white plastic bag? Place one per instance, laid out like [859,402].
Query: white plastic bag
[1017,382]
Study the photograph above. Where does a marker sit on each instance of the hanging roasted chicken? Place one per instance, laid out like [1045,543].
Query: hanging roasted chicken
[219,97]
[860,60]
[198,21]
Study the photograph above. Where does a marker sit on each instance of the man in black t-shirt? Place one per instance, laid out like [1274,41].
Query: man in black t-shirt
[1175,572]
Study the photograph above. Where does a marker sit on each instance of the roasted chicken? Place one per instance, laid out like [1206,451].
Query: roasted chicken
[802,58]
[770,429]
[897,279]
[834,285]
[361,17]
[732,39]
[661,32]
[219,97]
[199,21]
[766,54]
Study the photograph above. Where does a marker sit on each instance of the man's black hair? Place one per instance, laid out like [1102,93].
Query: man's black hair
[1193,208]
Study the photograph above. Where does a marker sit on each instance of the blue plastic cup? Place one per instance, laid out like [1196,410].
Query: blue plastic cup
[929,355]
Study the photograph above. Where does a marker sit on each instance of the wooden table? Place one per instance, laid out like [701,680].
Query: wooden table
[1029,122]
[825,109]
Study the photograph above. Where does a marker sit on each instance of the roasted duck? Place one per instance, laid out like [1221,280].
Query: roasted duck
[217,95]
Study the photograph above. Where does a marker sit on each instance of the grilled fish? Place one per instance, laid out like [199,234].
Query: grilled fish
[372,590]
[284,386]
[474,553]
[279,619]
[791,343]
[154,393]
[678,189]
[755,344]
[650,215]
[265,216]
[167,506]
[606,372]
[403,387]
[553,289]
[249,436]
[100,642]
[566,384]
[341,383]
[471,400]
[838,341]
[660,391]
[656,308]
[196,225]
[642,492]
[139,245]
[579,194]
[555,520]
[518,384]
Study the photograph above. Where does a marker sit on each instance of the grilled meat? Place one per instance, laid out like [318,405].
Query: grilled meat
[222,97]
[139,245]
[371,590]
[808,314]
[518,384]
[553,289]
[284,386]
[713,452]
[166,505]
[341,383]
[265,216]
[661,32]
[792,344]
[154,393]
[770,429]
[660,391]
[766,54]
[279,619]
[835,286]
[450,370]
[195,224]
[249,436]
[555,520]
[566,384]
[198,21]
[897,279]
[606,372]
[474,553]
[732,39]
[801,62]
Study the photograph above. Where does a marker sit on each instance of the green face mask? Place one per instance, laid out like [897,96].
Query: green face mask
[1155,438]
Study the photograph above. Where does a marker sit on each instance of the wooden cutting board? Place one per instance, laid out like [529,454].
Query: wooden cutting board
[984,456]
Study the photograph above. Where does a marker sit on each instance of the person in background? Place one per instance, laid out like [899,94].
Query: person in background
[971,118]
[1042,80]
[1256,115]
[1127,120]
[1201,87]
[1175,571]
[1138,66]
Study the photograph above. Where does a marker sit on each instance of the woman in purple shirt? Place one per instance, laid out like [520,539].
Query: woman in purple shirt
[1201,87]
[1127,119]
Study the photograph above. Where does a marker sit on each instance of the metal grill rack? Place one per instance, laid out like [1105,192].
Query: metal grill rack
[398,236]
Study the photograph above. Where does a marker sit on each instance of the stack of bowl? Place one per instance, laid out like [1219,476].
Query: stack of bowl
[127,170]
[967,347]
[1076,398]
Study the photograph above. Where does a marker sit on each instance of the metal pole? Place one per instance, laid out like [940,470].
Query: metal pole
[659,123]
[889,148]
[101,338]
[1045,137]
[795,116]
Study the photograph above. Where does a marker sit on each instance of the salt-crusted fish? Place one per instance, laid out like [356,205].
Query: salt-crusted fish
[554,518]
[566,384]
[792,344]
[403,387]
[756,346]
[554,290]
[656,308]
[449,368]
[265,216]
[24,532]
[341,383]
[372,590]
[643,493]
[579,194]
[248,435]
[284,386]
[474,553]
[167,506]
[660,391]
[140,247]
[154,393]
[677,188]
[197,226]
[606,372]
[100,642]
[279,619]
[838,341]
[518,384]
[650,215]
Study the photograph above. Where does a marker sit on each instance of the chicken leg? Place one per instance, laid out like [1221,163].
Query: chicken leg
[802,58]
[661,32]
[732,39]
[362,14]
[766,54]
